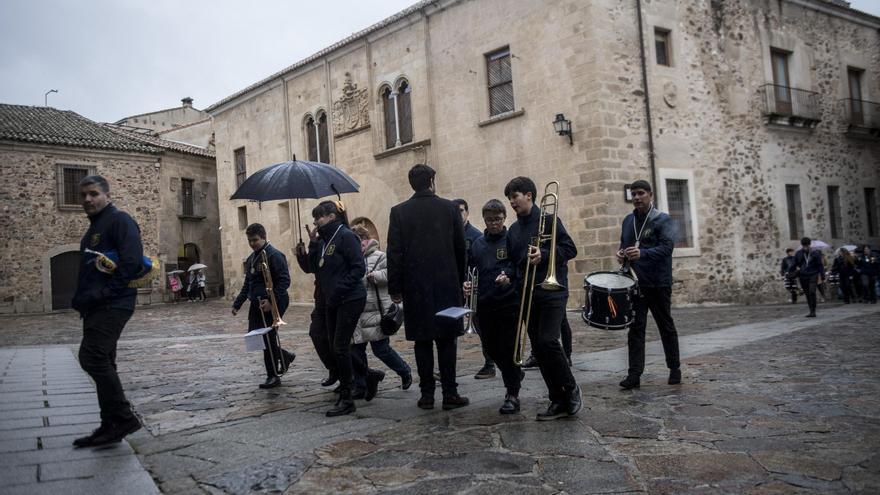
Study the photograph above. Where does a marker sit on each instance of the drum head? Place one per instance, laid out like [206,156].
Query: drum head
[609,280]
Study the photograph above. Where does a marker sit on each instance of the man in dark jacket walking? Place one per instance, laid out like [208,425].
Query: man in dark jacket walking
[106,302]
[260,311]
[426,268]
[647,239]
[808,267]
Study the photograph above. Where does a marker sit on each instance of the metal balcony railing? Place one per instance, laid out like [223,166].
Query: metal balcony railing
[861,113]
[785,101]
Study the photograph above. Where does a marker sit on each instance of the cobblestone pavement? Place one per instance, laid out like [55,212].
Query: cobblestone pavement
[771,403]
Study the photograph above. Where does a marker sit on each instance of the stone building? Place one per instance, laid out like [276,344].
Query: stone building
[761,126]
[169,118]
[169,189]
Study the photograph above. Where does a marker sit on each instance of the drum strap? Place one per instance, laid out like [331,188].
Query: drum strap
[612,306]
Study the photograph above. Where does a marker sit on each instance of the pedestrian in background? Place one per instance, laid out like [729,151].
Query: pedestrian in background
[844,267]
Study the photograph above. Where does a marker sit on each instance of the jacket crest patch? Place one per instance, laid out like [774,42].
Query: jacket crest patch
[501,254]
[330,249]
[95,240]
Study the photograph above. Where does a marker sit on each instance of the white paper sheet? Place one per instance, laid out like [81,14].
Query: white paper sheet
[254,341]
[454,312]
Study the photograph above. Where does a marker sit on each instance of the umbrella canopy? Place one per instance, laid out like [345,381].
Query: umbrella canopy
[849,247]
[196,266]
[817,244]
[295,179]
[172,272]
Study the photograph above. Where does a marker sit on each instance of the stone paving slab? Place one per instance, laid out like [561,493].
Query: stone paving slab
[58,404]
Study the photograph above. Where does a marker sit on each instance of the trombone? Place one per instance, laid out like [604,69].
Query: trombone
[280,365]
[474,279]
[549,205]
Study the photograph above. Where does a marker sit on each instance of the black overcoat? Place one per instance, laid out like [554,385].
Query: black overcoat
[426,263]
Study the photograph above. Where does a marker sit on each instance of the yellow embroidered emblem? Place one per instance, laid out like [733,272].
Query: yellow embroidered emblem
[95,240]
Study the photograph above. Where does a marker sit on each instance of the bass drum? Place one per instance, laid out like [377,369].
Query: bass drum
[608,300]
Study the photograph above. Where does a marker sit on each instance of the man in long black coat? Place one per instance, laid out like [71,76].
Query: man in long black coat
[426,267]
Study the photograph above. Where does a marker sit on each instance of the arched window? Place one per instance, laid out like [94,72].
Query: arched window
[398,114]
[317,138]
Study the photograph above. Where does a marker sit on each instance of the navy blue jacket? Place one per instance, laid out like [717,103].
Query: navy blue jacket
[341,277]
[110,229]
[805,266]
[518,237]
[787,264]
[654,267]
[490,255]
[865,266]
[471,234]
[254,287]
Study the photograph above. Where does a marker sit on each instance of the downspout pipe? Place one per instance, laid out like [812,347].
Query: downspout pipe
[647,101]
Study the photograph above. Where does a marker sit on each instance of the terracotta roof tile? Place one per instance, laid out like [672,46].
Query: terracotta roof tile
[153,140]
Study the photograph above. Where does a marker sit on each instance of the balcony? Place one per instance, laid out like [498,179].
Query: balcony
[790,107]
[862,118]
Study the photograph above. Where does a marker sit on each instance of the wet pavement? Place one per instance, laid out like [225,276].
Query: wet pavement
[771,403]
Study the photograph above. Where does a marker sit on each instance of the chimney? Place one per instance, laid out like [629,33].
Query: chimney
[187,102]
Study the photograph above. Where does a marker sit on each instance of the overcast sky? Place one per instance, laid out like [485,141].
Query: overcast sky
[110,59]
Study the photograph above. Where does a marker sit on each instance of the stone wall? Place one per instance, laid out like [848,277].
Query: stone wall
[199,134]
[34,228]
[582,59]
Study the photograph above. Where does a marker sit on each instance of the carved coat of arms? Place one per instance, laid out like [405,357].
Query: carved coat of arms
[350,112]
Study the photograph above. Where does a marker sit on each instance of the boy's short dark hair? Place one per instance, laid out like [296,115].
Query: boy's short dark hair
[494,206]
[420,177]
[789,250]
[459,202]
[95,179]
[806,241]
[521,185]
[325,208]
[255,229]
[640,184]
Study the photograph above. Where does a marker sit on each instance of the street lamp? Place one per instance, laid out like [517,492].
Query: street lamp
[563,127]
[46,97]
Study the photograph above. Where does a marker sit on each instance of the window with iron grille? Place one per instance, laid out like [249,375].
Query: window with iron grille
[500,79]
[323,140]
[186,197]
[68,178]
[678,201]
[311,138]
[240,166]
[390,112]
[834,217]
[662,45]
[871,208]
[242,218]
[795,216]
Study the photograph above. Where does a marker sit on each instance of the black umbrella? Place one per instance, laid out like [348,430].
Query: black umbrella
[295,179]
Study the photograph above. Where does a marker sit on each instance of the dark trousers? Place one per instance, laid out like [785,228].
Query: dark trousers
[259,319]
[341,322]
[381,349]
[846,288]
[499,334]
[809,285]
[97,357]
[487,359]
[446,355]
[659,301]
[544,329]
[565,330]
[869,288]
[320,336]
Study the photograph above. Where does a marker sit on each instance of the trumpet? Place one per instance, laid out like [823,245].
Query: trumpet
[549,205]
[280,364]
[474,280]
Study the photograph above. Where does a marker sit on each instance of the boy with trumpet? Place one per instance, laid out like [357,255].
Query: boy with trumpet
[536,239]
[496,298]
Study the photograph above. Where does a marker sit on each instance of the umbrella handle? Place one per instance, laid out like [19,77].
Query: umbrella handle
[298,230]
[338,196]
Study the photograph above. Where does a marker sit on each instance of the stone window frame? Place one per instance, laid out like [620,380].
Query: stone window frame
[668,51]
[388,91]
[798,215]
[242,217]
[835,212]
[60,167]
[688,175]
[312,129]
[240,172]
[488,58]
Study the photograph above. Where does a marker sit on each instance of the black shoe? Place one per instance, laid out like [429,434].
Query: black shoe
[373,379]
[345,405]
[631,381]
[288,358]
[510,406]
[487,371]
[574,401]
[86,441]
[358,393]
[674,376]
[454,402]
[811,315]
[426,402]
[330,380]
[556,410]
[271,382]
[406,381]
[531,362]
[116,432]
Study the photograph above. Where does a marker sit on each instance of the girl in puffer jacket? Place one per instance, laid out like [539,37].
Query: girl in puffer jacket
[368,330]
